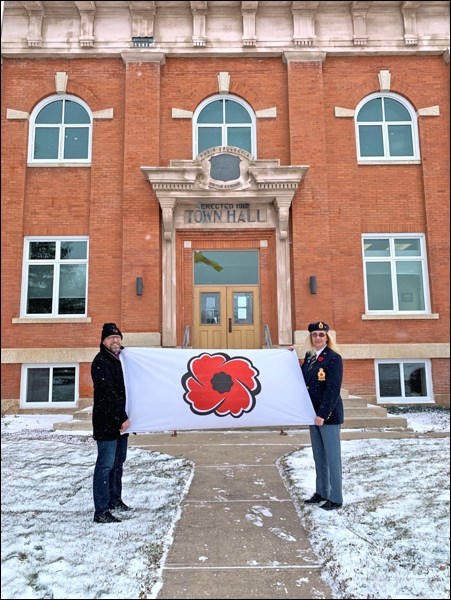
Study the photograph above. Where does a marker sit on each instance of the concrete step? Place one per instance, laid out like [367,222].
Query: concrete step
[361,422]
[369,410]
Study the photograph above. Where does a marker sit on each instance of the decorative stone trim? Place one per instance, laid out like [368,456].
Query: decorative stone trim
[304,23]
[359,12]
[384,77]
[19,115]
[266,113]
[106,113]
[61,79]
[179,113]
[430,111]
[261,183]
[344,112]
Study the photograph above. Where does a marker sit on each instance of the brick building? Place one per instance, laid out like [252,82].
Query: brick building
[220,174]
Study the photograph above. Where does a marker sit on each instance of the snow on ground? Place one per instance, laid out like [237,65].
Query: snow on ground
[390,539]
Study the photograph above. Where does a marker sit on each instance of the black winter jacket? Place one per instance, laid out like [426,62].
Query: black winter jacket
[323,381]
[108,411]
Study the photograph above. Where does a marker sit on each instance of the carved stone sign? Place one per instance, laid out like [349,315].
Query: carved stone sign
[225,168]
[225,213]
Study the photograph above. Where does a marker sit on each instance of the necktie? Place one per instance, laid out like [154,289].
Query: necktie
[312,361]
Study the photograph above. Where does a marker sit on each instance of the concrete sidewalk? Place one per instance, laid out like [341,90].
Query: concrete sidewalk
[239,535]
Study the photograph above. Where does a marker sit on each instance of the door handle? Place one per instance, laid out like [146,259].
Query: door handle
[230,325]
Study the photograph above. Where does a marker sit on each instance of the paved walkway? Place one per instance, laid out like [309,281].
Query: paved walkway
[239,535]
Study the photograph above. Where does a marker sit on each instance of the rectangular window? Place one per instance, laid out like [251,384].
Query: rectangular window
[399,382]
[55,385]
[55,277]
[395,274]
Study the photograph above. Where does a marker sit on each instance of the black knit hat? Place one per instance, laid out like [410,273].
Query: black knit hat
[318,326]
[110,329]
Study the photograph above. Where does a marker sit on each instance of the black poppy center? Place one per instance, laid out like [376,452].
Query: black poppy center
[221,382]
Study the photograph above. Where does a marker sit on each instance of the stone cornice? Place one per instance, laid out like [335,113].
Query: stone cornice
[79,29]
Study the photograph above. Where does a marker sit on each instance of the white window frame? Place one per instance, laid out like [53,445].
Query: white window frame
[57,262]
[60,161]
[49,404]
[224,126]
[385,124]
[403,399]
[392,259]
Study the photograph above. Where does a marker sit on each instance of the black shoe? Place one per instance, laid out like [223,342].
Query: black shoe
[106,517]
[315,499]
[120,505]
[329,505]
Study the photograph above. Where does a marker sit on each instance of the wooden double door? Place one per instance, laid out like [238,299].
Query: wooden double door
[227,316]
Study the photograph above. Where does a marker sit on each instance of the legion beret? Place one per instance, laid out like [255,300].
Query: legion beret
[318,326]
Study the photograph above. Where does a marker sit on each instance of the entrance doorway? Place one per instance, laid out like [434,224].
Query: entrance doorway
[226,299]
[226,317]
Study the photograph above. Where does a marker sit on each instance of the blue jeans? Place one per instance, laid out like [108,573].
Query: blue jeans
[107,483]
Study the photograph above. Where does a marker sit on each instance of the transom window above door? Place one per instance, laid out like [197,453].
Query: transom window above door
[224,267]
[221,121]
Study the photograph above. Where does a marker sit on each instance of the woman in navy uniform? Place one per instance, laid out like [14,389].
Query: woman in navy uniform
[323,374]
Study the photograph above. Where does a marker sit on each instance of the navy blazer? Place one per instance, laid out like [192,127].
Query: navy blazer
[323,381]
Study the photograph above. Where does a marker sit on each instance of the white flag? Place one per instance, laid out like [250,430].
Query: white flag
[182,389]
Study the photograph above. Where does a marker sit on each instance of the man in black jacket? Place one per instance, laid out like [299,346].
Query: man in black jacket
[109,421]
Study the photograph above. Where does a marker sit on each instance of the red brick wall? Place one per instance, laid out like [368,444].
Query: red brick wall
[114,205]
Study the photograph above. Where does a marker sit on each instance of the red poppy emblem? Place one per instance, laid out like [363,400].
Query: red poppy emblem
[320,358]
[217,383]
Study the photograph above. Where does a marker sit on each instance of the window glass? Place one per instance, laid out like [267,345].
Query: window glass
[225,267]
[73,250]
[56,278]
[379,286]
[46,143]
[395,111]
[40,289]
[415,379]
[50,114]
[72,289]
[400,140]
[371,111]
[389,380]
[60,131]
[395,282]
[243,308]
[409,278]
[386,129]
[42,250]
[407,247]
[210,308]
[76,142]
[212,113]
[63,384]
[38,385]
[46,385]
[235,113]
[209,137]
[240,137]
[376,247]
[74,113]
[222,122]
[403,381]
[371,141]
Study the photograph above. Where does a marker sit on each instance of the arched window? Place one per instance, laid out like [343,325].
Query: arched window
[60,131]
[224,121]
[386,129]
